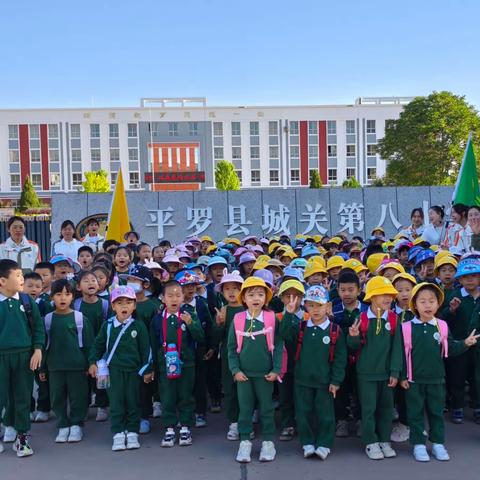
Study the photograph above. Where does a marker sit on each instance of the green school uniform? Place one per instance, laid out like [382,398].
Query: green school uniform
[94,313]
[145,311]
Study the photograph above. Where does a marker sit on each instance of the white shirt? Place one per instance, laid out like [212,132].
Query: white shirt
[93,242]
[324,325]
[116,323]
[417,321]
[28,250]
[67,249]
[370,314]
[412,233]
[3,297]
[433,235]
[259,318]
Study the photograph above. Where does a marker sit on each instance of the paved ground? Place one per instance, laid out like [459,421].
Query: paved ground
[212,457]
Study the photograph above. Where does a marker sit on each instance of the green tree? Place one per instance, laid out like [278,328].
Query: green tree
[351,182]
[29,197]
[226,177]
[96,182]
[315,180]
[425,145]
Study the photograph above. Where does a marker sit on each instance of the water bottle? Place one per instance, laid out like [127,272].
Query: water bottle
[172,362]
[103,375]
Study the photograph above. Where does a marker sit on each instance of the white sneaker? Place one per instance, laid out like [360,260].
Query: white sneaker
[9,435]
[322,452]
[157,410]
[268,452]
[76,434]
[102,415]
[1,447]
[22,447]
[420,453]
[400,433]
[169,438]
[185,437]
[200,421]
[233,432]
[132,441]
[440,452]
[119,442]
[374,452]
[387,450]
[342,429]
[41,417]
[62,436]
[244,451]
[32,416]
[308,451]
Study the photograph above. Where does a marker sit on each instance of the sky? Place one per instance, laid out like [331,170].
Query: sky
[249,52]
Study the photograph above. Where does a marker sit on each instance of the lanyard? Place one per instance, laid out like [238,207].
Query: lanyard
[117,341]
[179,334]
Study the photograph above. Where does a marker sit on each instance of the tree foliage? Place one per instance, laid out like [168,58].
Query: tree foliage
[425,145]
[96,182]
[28,198]
[351,182]
[315,180]
[226,177]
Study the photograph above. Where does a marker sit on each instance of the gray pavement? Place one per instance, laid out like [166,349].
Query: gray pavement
[212,457]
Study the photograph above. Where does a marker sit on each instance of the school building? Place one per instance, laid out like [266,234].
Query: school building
[175,143]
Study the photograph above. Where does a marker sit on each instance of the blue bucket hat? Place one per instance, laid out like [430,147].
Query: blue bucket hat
[309,250]
[217,261]
[317,294]
[299,263]
[187,277]
[423,256]
[293,272]
[468,266]
[413,252]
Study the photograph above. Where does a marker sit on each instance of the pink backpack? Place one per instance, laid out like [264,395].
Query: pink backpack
[407,341]
[269,331]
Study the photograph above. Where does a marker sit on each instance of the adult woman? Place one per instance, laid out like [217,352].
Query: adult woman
[68,244]
[417,227]
[466,242]
[434,232]
[18,248]
[457,225]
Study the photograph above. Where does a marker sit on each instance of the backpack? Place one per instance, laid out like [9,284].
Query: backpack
[407,341]
[157,321]
[27,306]
[78,323]
[334,333]
[78,303]
[268,330]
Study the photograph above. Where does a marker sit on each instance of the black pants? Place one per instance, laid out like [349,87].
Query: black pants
[460,369]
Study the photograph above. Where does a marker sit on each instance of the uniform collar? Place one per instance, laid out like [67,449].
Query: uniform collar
[259,318]
[12,245]
[324,325]
[370,314]
[116,323]
[193,303]
[417,321]
[3,297]
[359,304]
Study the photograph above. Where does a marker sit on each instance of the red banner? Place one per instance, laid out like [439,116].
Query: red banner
[175,177]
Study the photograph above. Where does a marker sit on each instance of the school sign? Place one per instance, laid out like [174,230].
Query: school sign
[264,212]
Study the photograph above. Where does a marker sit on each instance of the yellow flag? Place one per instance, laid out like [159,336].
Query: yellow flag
[118,222]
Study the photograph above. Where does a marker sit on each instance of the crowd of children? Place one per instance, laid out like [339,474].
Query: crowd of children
[341,337]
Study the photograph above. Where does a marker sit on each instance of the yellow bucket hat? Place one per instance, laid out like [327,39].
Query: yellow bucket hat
[395,265]
[313,268]
[404,276]
[211,249]
[445,260]
[273,246]
[206,238]
[335,240]
[335,262]
[379,286]
[260,264]
[251,282]
[416,290]
[291,284]
[355,265]
[374,261]
[289,254]
[317,259]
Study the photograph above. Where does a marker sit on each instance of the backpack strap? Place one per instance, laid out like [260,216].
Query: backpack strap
[334,333]
[392,320]
[48,325]
[363,327]
[77,304]
[407,345]
[269,322]
[239,324]
[443,328]
[105,306]
[301,333]
[27,306]
[79,323]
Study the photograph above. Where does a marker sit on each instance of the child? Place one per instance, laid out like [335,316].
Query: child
[229,287]
[85,257]
[321,357]
[33,285]
[93,239]
[124,345]
[64,267]
[22,338]
[375,338]
[103,279]
[255,362]
[46,271]
[426,341]
[334,266]
[445,270]
[315,273]
[122,260]
[144,253]
[178,329]
[69,338]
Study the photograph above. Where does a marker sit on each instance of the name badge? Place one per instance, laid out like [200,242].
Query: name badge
[387,326]
[326,340]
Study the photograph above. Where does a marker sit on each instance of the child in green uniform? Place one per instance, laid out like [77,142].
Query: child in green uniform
[104,281]
[22,337]
[376,339]
[427,341]
[69,338]
[173,325]
[321,358]
[123,344]
[122,258]
[229,287]
[445,270]
[46,271]
[255,360]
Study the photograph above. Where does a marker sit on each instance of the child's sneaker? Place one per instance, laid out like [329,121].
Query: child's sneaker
[41,417]
[374,452]
[440,452]
[244,451]
[215,407]
[400,433]
[22,447]
[268,452]
[308,451]
[1,447]
[420,453]
[287,434]
[157,410]
[132,441]
[322,452]
[387,450]
[102,415]
[9,435]
[144,426]
[119,442]
[76,434]
[457,416]
[169,438]
[342,429]
[62,436]
[200,421]
[185,437]
[233,432]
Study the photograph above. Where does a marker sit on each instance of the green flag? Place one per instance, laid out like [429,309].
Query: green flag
[466,189]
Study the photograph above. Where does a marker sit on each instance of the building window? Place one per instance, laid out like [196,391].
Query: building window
[350,126]
[351,150]
[293,128]
[114,155]
[239,175]
[371,173]
[294,151]
[75,130]
[76,155]
[13,132]
[113,130]
[95,155]
[52,130]
[173,129]
[54,179]
[132,130]
[273,152]
[54,155]
[255,176]
[218,153]
[272,128]
[312,128]
[254,129]
[295,175]
[332,174]
[255,152]
[34,155]
[371,127]
[332,150]
[94,130]
[351,172]
[312,151]
[14,180]
[113,178]
[236,153]
[371,150]
[274,176]
[236,128]
[218,129]
[14,156]
[331,127]
[134,180]
[132,155]
[76,179]
[193,129]
[34,132]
